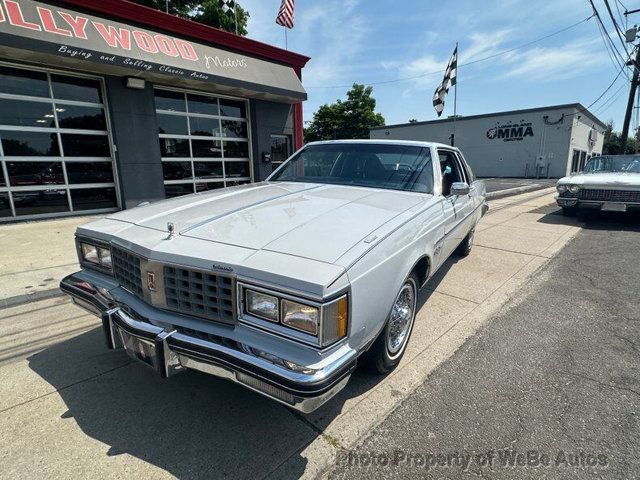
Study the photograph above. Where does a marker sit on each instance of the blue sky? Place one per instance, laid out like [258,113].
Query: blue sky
[374,40]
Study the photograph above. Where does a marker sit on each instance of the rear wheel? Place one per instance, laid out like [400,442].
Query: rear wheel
[387,351]
[464,249]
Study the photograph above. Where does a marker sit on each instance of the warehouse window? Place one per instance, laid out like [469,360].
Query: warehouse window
[578,160]
[204,141]
[55,148]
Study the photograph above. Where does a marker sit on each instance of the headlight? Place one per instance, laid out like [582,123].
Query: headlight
[561,188]
[90,253]
[95,255]
[105,257]
[574,189]
[316,323]
[262,305]
[301,317]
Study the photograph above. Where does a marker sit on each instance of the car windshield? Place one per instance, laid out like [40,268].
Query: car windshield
[617,163]
[389,166]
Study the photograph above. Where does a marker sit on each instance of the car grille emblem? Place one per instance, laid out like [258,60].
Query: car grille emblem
[151,281]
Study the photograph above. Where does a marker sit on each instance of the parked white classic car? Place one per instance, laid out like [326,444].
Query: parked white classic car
[282,285]
[608,183]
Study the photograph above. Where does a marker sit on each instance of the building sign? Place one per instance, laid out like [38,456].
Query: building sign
[43,28]
[511,132]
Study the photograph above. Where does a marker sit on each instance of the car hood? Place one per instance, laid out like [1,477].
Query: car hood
[313,221]
[604,180]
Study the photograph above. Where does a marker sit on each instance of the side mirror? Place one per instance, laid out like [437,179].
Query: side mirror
[460,188]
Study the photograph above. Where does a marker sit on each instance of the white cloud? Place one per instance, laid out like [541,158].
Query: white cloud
[483,44]
[428,67]
[332,32]
[556,63]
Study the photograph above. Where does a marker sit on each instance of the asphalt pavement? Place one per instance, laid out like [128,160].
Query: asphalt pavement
[549,388]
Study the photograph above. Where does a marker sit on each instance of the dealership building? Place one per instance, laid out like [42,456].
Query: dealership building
[105,104]
[546,142]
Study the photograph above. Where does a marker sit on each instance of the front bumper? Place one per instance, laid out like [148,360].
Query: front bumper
[170,349]
[573,202]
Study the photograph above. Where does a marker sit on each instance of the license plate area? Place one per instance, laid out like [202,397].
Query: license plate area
[139,349]
[614,207]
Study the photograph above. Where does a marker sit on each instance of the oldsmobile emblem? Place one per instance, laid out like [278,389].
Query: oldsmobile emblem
[151,281]
[221,267]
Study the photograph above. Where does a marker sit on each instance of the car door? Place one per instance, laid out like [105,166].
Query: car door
[475,197]
[456,208]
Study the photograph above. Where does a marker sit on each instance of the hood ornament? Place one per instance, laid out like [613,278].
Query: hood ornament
[171,228]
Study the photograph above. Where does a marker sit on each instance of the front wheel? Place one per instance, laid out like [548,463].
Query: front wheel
[387,351]
[464,249]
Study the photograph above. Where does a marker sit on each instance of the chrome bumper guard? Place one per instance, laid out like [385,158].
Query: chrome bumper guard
[170,351]
[592,204]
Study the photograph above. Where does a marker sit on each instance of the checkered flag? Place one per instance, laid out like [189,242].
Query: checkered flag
[448,81]
[285,14]
[228,6]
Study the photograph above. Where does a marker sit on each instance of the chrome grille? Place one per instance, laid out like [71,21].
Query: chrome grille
[202,294]
[610,195]
[126,270]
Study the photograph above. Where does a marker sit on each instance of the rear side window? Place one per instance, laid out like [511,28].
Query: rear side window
[470,176]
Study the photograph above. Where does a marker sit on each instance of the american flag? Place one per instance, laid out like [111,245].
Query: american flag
[285,14]
[448,81]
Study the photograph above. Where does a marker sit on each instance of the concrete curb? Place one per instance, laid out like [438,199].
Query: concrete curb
[516,191]
[29,297]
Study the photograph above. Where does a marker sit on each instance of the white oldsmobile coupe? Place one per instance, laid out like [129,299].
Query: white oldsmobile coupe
[282,285]
[608,183]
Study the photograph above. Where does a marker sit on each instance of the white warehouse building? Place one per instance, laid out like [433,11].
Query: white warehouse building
[546,142]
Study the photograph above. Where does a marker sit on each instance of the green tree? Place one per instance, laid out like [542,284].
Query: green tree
[346,119]
[612,142]
[208,12]
[413,120]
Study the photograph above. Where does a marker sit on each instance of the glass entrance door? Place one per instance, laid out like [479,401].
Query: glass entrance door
[280,149]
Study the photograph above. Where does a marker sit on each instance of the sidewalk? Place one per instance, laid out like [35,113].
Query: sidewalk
[35,257]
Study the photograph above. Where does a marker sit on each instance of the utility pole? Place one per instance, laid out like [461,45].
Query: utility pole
[632,97]
[630,36]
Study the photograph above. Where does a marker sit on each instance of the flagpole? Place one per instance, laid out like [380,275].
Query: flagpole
[235,14]
[455,100]
[286,39]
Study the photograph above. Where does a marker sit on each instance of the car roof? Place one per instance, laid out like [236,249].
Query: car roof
[384,142]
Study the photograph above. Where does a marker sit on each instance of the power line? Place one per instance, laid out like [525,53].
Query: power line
[622,18]
[610,50]
[616,26]
[578,112]
[504,52]
[600,96]
[611,100]
[606,34]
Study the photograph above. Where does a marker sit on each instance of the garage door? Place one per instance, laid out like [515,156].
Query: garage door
[55,147]
[204,141]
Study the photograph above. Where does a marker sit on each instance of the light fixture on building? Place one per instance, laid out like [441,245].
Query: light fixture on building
[136,83]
